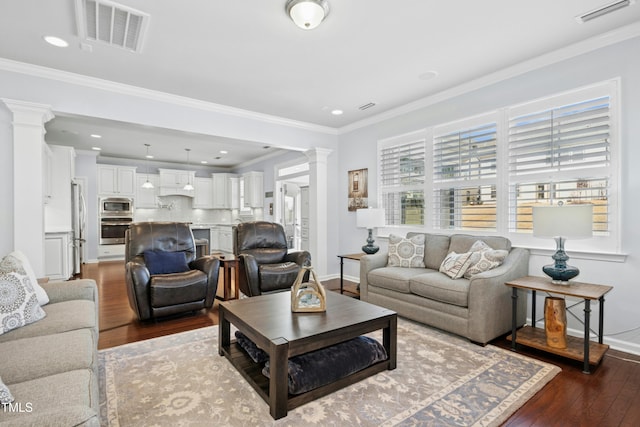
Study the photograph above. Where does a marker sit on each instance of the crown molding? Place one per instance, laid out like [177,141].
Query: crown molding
[153,95]
[585,46]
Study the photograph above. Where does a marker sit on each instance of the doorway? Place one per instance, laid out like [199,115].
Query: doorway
[292,185]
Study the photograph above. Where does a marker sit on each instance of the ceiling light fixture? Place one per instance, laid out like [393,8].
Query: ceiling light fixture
[147,184]
[307,14]
[188,185]
[603,10]
[95,135]
[56,41]
[96,148]
[337,112]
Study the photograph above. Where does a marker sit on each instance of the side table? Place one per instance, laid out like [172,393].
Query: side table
[354,257]
[577,349]
[230,274]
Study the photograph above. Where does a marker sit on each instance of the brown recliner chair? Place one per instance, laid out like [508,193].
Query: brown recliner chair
[265,263]
[163,276]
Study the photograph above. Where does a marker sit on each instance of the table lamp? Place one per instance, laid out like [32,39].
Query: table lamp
[370,218]
[562,222]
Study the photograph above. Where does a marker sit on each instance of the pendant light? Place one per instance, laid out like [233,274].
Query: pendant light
[188,185]
[147,184]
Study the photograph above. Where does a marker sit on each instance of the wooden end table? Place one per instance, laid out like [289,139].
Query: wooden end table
[230,264]
[583,350]
[267,320]
[354,257]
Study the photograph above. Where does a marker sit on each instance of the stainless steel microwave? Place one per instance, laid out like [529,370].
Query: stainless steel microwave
[116,206]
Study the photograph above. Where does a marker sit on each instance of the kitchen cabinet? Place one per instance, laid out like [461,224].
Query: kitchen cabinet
[58,209]
[253,189]
[116,180]
[146,197]
[58,255]
[172,182]
[225,238]
[203,193]
[225,191]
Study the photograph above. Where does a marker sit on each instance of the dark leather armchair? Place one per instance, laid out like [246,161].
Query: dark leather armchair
[168,279]
[265,263]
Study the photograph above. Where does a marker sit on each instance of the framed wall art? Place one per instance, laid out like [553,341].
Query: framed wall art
[358,191]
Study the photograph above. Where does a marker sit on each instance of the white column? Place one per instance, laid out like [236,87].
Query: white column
[318,202]
[28,184]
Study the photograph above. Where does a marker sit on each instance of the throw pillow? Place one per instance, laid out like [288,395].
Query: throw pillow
[160,262]
[5,395]
[405,252]
[487,260]
[18,301]
[43,298]
[455,265]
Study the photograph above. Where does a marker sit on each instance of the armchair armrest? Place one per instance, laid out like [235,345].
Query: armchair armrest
[368,263]
[209,265]
[137,277]
[249,280]
[302,258]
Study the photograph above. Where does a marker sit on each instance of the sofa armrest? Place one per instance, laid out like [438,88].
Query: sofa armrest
[59,291]
[490,301]
[368,263]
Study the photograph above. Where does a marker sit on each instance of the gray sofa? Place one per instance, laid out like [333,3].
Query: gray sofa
[478,308]
[50,366]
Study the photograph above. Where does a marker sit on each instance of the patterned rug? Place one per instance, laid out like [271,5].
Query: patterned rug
[440,380]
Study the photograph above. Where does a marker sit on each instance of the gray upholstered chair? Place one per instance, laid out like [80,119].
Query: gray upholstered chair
[163,276]
[266,265]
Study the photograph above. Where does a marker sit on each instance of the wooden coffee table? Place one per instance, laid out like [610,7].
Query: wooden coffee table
[268,321]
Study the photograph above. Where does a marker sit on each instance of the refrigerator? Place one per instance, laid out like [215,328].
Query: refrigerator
[78,222]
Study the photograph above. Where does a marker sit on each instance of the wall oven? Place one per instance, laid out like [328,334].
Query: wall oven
[116,214]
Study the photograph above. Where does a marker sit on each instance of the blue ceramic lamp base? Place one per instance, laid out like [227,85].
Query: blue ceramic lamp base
[370,248]
[560,272]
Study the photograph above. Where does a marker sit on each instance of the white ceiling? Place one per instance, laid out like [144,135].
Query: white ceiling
[248,54]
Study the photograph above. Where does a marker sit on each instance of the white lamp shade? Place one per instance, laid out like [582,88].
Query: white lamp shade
[308,14]
[370,218]
[572,221]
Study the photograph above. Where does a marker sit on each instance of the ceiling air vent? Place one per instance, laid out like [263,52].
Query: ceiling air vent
[603,10]
[367,106]
[112,23]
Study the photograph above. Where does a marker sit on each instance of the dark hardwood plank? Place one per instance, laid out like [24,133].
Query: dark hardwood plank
[607,397]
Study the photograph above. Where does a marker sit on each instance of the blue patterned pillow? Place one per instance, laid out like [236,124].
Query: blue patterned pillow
[160,262]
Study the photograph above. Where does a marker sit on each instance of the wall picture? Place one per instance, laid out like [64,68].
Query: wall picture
[358,192]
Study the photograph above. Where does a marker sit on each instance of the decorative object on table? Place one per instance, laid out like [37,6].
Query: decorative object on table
[358,192]
[560,222]
[555,322]
[308,296]
[370,218]
[307,14]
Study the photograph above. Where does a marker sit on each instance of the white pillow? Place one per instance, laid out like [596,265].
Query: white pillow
[406,252]
[455,265]
[43,298]
[5,394]
[19,304]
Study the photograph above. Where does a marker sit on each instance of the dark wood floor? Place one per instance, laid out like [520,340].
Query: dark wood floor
[610,396]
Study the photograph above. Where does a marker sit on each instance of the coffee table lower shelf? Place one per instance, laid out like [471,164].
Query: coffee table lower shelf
[252,372]
[536,338]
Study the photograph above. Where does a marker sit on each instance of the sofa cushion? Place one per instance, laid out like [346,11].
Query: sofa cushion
[19,304]
[61,317]
[30,358]
[461,243]
[172,289]
[406,252]
[393,278]
[436,248]
[487,258]
[65,399]
[455,265]
[439,287]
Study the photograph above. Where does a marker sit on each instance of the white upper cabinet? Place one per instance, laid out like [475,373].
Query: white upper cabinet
[253,189]
[172,182]
[116,180]
[225,191]
[203,193]
[146,197]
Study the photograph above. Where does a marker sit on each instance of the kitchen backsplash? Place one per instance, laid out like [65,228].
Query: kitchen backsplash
[179,208]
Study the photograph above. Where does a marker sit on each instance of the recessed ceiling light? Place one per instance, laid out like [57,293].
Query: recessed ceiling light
[204,162]
[223,151]
[96,148]
[337,112]
[149,156]
[55,41]
[428,75]
[95,135]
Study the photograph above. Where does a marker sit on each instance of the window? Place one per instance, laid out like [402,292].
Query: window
[560,150]
[464,174]
[401,174]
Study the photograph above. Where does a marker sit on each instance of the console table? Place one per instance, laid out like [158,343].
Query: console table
[577,349]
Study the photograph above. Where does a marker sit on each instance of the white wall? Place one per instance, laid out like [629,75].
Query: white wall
[6,178]
[621,323]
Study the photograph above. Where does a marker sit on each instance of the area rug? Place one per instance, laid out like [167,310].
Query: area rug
[440,380]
